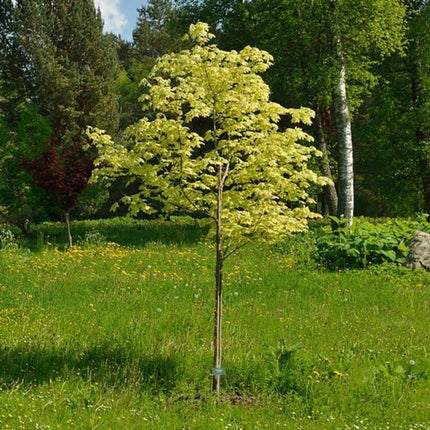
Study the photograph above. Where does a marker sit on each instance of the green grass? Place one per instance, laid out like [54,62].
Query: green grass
[119,337]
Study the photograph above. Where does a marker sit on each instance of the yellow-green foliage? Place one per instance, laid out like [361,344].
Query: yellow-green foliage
[213,128]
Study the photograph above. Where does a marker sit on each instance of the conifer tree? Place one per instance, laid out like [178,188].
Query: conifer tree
[12,88]
[157,31]
[71,66]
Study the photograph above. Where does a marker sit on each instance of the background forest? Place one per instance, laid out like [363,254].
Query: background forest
[363,66]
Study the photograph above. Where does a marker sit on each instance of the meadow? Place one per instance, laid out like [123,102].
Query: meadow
[116,332]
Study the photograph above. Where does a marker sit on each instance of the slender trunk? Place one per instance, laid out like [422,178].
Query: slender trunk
[346,170]
[216,384]
[69,232]
[330,193]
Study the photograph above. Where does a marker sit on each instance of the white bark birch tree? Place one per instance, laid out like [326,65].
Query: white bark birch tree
[346,161]
[362,26]
[345,207]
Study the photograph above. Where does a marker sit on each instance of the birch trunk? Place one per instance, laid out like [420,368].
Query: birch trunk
[346,164]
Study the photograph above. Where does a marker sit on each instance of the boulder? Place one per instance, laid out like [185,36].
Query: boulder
[419,256]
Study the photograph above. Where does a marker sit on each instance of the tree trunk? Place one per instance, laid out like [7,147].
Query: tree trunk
[69,232]
[330,193]
[346,165]
[217,362]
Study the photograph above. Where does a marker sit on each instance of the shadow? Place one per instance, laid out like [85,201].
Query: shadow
[108,365]
[166,232]
[123,231]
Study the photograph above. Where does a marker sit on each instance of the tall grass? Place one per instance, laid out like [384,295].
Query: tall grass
[107,336]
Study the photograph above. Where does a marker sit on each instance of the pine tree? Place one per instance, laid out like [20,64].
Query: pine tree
[71,66]
[12,87]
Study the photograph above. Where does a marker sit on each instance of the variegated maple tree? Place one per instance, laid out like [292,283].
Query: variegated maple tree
[213,146]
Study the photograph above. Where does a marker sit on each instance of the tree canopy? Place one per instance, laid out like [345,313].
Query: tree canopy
[213,111]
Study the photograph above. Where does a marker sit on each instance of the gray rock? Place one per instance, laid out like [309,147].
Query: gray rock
[419,256]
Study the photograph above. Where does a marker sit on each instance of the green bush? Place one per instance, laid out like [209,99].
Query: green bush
[368,242]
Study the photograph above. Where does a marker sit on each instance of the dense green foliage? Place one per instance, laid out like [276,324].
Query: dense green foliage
[366,243]
[385,46]
[117,337]
[58,69]
[321,37]
[299,34]
[20,200]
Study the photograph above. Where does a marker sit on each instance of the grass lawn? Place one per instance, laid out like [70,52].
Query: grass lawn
[118,336]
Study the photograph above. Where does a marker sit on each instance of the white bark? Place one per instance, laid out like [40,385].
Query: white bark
[346,163]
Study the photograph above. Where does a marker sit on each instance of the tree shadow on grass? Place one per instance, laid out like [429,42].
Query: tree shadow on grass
[126,232]
[168,233]
[108,365]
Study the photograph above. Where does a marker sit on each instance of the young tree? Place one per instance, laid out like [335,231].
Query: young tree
[63,172]
[214,148]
